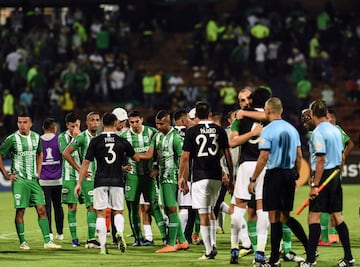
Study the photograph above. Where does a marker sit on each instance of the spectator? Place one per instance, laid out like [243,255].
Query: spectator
[298,63]
[8,111]
[116,81]
[81,85]
[303,88]
[26,100]
[148,86]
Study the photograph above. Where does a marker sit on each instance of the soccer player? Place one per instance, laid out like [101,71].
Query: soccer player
[121,124]
[245,102]
[142,180]
[245,133]
[80,143]
[50,176]
[110,152]
[167,145]
[221,208]
[204,143]
[70,175]
[280,152]
[182,122]
[25,149]
[326,156]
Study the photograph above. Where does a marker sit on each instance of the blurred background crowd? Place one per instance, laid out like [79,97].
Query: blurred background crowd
[168,54]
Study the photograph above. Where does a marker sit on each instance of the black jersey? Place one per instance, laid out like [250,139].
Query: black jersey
[181,130]
[206,142]
[110,152]
[249,150]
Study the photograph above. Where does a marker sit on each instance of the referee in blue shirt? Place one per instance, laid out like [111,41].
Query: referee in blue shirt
[280,151]
[326,155]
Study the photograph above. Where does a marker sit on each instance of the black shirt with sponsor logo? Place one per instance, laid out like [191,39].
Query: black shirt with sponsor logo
[110,152]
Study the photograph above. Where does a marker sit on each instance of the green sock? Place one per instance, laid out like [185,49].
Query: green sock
[173,228]
[91,222]
[20,229]
[332,231]
[135,220]
[324,222]
[159,218]
[72,224]
[252,234]
[44,226]
[180,232]
[197,224]
[287,235]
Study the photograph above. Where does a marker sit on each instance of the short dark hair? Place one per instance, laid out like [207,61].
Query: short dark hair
[202,110]
[25,114]
[319,108]
[71,117]
[332,111]
[109,119]
[260,96]
[48,123]
[135,113]
[162,114]
[92,113]
[217,115]
[180,113]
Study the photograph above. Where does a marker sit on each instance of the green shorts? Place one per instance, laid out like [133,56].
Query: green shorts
[68,196]
[135,185]
[27,193]
[168,195]
[87,190]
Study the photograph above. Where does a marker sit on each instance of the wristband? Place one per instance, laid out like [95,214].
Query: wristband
[252,180]
[314,185]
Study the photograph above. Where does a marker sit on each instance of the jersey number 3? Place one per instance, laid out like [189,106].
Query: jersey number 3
[110,160]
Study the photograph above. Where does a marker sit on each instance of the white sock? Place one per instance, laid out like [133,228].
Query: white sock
[262,229]
[119,223]
[243,231]
[213,233]
[101,231]
[205,234]
[183,214]
[148,232]
[224,207]
[235,230]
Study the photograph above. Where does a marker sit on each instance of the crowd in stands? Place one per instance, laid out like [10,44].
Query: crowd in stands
[51,66]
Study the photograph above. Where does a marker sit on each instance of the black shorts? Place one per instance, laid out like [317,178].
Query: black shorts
[252,202]
[279,190]
[330,199]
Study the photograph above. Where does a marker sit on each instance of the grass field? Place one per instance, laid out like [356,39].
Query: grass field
[145,256]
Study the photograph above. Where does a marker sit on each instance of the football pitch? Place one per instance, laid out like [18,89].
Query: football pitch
[11,255]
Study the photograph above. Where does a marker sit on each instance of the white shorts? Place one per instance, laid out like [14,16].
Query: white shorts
[109,197]
[142,200]
[185,200]
[245,170]
[205,193]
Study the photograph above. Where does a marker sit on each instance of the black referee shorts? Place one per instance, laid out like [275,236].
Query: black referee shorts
[330,199]
[279,189]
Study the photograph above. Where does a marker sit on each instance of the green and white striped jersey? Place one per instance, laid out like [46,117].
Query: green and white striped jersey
[168,149]
[81,143]
[68,172]
[141,144]
[23,150]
